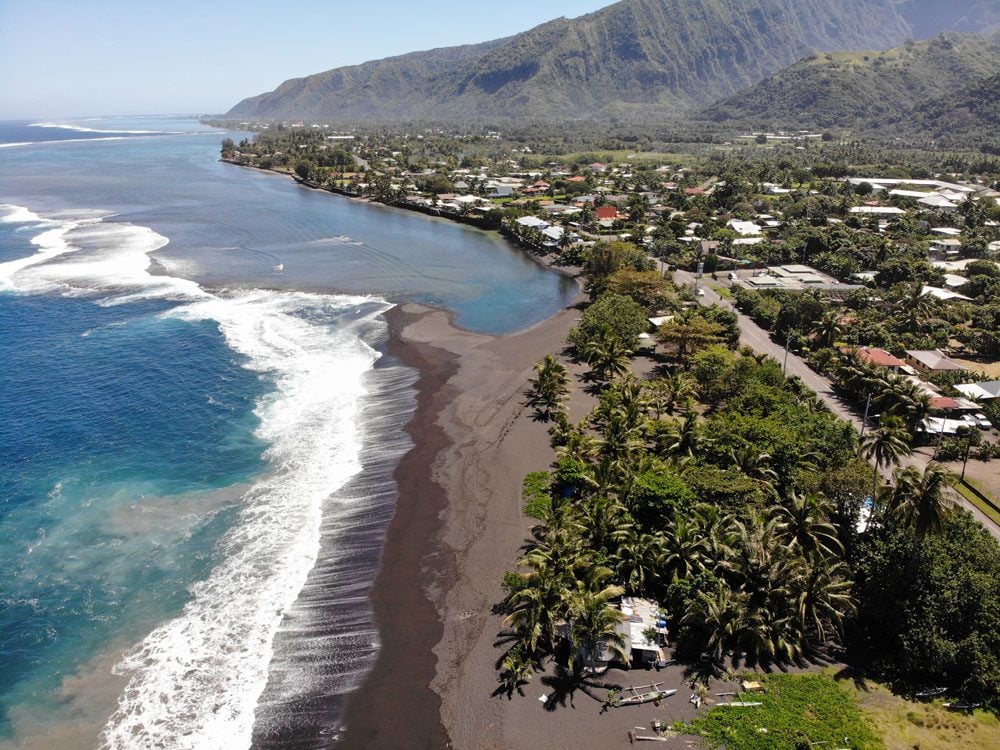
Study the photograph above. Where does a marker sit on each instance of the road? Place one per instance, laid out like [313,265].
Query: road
[759,340]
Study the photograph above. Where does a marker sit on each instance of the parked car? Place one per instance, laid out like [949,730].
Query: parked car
[983,421]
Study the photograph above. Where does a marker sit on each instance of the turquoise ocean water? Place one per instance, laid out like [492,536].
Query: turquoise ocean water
[195,407]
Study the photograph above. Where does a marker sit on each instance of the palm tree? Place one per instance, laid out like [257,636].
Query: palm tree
[607,356]
[685,441]
[594,625]
[889,444]
[717,534]
[515,669]
[548,388]
[904,398]
[920,499]
[802,525]
[827,329]
[635,560]
[602,519]
[535,610]
[676,388]
[683,549]
[716,613]
[621,440]
[914,306]
[754,464]
[824,600]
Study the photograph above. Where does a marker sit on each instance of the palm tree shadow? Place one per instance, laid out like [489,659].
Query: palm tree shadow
[564,684]
[855,675]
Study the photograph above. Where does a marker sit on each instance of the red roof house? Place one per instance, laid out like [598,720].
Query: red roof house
[879,357]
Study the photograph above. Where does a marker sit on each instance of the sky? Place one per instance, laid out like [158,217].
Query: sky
[83,58]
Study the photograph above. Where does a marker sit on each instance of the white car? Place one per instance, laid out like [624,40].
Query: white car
[700,292]
[982,420]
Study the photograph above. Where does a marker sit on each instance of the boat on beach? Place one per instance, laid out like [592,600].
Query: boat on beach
[644,694]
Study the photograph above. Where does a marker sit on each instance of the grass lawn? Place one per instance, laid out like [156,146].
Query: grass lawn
[991,369]
[905,725]
[797,710]
[722,290]
[971,497]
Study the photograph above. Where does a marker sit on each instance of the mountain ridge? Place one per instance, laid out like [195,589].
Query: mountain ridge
[862,90]
[662,54]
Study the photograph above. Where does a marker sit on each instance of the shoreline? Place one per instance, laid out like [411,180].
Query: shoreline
[546,261]
[451,535]
[374,715]
[456,528]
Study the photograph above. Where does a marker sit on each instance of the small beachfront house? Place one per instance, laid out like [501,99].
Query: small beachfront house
[643,630]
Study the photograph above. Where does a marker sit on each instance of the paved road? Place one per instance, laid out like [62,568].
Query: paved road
[759,340]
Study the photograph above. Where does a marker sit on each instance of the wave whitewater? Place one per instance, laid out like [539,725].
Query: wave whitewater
[194,682]
[84,129]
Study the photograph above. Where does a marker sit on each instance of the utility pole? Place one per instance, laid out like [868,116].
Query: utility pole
[788,341]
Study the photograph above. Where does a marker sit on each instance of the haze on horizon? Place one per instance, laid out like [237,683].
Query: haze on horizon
[61,58]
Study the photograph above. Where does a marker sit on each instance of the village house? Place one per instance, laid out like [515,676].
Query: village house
[986,390]
[880,358]
[932,361]
[607,213]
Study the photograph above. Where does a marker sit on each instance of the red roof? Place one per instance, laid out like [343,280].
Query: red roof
[607,212]
[694,191]
[944,403]
[878,357]
[577,178]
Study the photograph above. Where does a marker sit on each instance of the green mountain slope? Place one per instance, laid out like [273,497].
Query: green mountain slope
[863,90]
[657,55]
[971,112]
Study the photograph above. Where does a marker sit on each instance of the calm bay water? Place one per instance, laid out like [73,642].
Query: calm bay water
[194,403]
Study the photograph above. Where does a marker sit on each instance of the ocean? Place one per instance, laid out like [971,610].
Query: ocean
[198,428]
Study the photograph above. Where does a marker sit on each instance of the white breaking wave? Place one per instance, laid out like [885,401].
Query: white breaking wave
[195,681]
[74,140]
[101,257]
[82,129]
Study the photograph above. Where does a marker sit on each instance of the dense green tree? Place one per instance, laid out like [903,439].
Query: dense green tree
[611,315]
[929,609]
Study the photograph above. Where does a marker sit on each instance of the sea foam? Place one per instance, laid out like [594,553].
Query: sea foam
[195,680]
[84,129]
[212,661]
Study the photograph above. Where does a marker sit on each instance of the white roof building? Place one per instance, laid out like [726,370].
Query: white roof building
[878,210]
[532,221]
[984,391]
[746,228]
[942,294]
[939,202]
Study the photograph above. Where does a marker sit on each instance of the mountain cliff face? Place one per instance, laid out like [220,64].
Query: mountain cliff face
[654,55]
[861,90]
